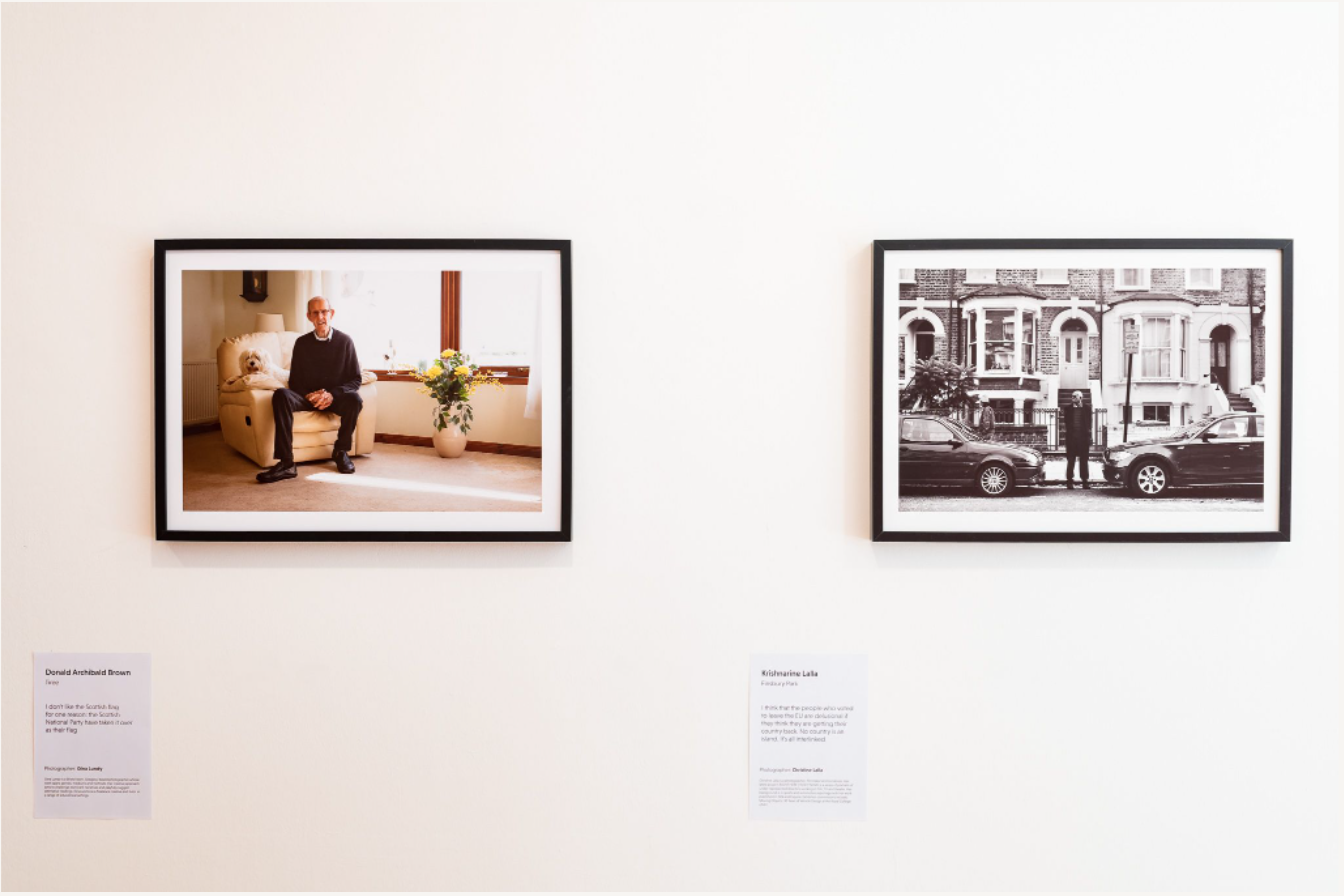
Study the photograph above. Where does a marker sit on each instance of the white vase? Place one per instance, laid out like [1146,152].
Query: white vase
[450,441]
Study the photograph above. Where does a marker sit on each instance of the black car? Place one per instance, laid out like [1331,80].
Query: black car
[1227,450]
[939,451]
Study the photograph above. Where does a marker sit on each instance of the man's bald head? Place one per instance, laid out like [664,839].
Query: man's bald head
[320,314]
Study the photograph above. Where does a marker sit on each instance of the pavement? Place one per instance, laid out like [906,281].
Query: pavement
[1055,468]
[1100,497]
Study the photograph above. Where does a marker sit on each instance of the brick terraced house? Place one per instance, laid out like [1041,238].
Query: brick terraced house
[1034,336]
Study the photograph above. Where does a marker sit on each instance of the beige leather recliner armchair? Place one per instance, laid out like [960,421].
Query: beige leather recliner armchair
[248,421]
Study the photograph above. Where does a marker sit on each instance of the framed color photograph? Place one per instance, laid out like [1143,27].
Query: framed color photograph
[1081,390]
[362,390]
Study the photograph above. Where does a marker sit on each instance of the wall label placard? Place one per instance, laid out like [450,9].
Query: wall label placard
[91,735]
[809,737]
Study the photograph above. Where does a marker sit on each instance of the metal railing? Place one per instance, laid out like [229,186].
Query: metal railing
[1005,421]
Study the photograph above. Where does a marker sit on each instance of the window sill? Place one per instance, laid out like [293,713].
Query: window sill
[506,377]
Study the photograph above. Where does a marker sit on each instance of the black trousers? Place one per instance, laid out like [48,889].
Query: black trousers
[1072,453]
[286,401]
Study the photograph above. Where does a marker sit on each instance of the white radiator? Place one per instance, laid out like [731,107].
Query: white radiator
[200,392]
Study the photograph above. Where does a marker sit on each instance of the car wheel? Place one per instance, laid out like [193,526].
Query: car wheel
[994,480]
[1150,479]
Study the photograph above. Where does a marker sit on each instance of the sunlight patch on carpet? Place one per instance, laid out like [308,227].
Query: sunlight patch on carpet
[409,485]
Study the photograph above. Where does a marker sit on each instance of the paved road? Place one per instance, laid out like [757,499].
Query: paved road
[1104,498]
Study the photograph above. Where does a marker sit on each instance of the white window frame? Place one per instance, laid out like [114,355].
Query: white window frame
[1216,284]
[1142,287]
[973,339]
[1043,280]
[1156,404]
[1184,348]
[900,275]
[1026,347]
[1170,347]
[972,280]
[1015,367]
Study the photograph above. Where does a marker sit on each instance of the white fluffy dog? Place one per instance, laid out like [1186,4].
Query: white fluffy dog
[258,360]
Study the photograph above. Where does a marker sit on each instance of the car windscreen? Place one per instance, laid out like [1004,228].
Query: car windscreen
[960,429]
[921,429]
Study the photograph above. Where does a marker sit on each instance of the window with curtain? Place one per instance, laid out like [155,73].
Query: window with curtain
[1185,348]
[1155,346]
[1052,276]
[1028,341]
[972,341]
[1204,278]
[1131,278]
[1000,341]
[981,275]
[905,275]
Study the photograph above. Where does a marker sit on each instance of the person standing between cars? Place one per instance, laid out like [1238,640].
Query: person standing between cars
[1077,438]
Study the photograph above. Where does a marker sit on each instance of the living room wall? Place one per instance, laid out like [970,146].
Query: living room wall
[1084,717]
[499,414]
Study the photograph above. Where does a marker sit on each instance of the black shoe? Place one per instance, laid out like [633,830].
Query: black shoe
[1069,483]
[1085,485]
[343,462]
[280,471]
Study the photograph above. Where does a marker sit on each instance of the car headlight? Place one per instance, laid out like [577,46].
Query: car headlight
[1120,455]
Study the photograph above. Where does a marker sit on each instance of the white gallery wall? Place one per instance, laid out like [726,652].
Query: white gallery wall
[574,716]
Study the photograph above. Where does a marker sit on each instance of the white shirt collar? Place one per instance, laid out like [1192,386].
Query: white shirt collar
[330,331]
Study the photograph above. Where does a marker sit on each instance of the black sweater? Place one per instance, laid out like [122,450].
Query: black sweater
[330,365]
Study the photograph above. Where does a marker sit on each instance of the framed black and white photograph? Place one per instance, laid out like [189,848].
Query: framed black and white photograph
[1081,390]
[371,390]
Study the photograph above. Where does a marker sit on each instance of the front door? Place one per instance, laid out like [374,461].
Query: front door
[1220,365]
[1072,360]
[923,346]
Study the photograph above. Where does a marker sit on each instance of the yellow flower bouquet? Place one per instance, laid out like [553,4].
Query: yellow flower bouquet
[450,381]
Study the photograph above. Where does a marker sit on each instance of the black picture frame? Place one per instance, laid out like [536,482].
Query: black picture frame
[562,402]
[1280,530]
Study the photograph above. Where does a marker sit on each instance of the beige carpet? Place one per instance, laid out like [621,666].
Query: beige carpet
[393,477]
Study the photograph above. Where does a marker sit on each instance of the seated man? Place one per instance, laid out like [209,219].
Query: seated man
[323,376]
